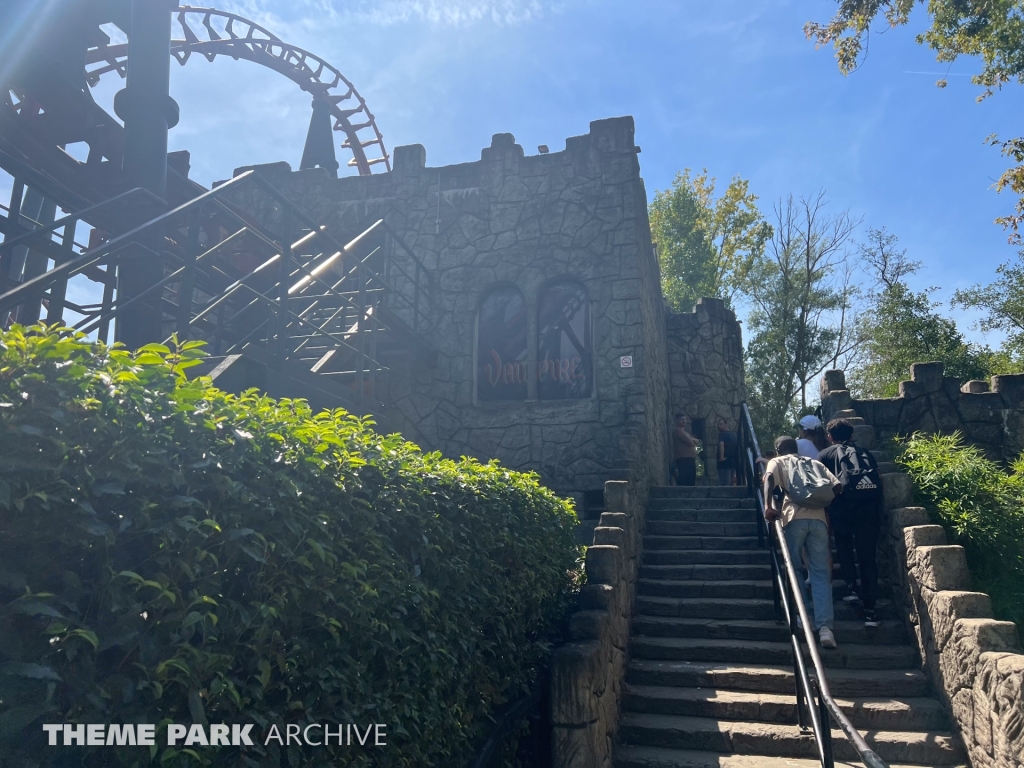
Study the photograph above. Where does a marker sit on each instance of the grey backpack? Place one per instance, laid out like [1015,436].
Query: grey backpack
[809,482]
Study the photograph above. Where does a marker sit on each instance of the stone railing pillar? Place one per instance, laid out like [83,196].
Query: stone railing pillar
[587,672]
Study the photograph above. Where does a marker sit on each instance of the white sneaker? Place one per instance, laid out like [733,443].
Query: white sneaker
[851,599]
[827,639]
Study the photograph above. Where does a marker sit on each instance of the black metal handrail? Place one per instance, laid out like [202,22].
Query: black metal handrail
[813,697]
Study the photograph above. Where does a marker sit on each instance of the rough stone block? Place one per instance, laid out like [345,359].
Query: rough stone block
[1000,682]
[577,682]
[615,537]
[951,386]
[615,520]
[603,564]
[1011,388]
[883,414]
[927,375]
[864,436]
[839,400]
[411,157]
[596,597]
[974,387]
[910,390]
[589,625]
[981,407]
[832,380]
[905,517]
[947,607]
[962,704]
[922,536]
[941,567]
[579,747]
[897,488]
[971,638]
[616,496]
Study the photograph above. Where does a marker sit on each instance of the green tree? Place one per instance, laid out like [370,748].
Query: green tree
[705,245]
[992,30]
[1003,302]
[800,300]
[904,328]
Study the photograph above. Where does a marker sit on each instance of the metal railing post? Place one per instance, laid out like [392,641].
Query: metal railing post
[284,270]
[361,331]
[58,291]
[187,284]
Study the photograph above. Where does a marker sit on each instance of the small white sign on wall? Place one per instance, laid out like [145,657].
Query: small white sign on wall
[626,361]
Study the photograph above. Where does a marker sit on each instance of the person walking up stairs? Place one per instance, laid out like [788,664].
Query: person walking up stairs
[710,681]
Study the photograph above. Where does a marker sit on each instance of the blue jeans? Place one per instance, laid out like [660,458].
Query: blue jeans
[725,476]
[813,535]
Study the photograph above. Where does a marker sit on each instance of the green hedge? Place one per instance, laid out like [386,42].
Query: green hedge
[981,506]
[173,553]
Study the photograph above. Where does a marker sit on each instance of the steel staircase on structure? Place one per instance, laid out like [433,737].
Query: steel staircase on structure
[301,311]
[713,679]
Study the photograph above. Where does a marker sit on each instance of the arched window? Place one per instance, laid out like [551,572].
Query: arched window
[501,359]
[564,360]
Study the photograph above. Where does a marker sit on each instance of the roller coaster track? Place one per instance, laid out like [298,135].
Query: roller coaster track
[211,33]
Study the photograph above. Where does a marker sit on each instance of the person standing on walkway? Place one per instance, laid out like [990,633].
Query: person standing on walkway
[797,490]
[856,515]
[684,452]
[811,439]
[726,454]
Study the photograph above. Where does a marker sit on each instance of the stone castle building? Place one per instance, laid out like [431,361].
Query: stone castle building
[552,348]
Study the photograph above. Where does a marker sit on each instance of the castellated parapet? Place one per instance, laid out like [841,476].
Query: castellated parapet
[989,415]
[520,224]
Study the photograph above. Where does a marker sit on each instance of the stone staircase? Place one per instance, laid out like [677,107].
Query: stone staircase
[710,681]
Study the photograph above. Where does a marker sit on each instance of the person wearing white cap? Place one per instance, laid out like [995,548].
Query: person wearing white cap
[812,437]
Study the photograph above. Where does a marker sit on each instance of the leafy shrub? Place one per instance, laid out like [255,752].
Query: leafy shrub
[173,553]
[981,506]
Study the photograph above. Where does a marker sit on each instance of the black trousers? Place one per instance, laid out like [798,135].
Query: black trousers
[858,529]
[686,471]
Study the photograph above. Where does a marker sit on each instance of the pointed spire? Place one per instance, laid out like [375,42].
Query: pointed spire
[319,149]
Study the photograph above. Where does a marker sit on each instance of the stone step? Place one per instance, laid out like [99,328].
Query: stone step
[701,542]
[774,740]
[706,557]
[880,714]
[846,656]
[733,588]
[630,756]
[697,503]
[722,608]
[705,608]
[686,528]
[706,572]
[764,678]
[888,633]
[726,572]
[708,515]
[700,492]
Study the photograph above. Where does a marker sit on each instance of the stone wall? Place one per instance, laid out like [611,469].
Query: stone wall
[990,415]
[705,358]
[973,660]
[520,220]
[587,673]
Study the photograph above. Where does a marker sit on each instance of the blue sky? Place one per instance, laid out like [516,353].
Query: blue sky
[731,85]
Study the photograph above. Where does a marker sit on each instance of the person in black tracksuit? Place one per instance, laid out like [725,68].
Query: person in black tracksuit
[855,516]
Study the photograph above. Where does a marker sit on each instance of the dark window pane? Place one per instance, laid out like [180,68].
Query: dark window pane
[501,347]
[563,343]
